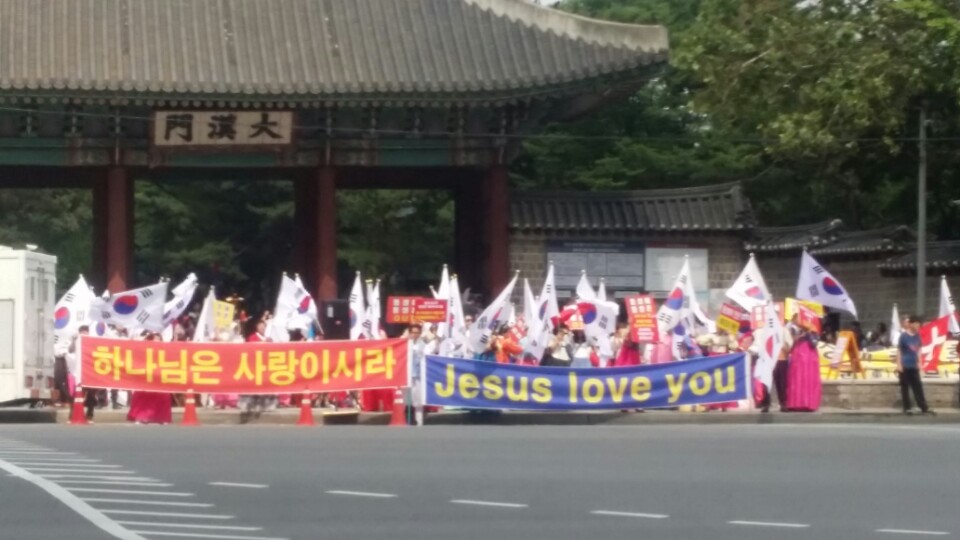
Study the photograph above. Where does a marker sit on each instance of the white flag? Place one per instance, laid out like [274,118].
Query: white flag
[206,326]
[771,343]
[443,293]
[72,310]
[295,308]
[602,291]
[673,309]
[549,308]
[308,306]
[182,296]
[584,289]
[818,285]
[137,308]
[458,327]
[947,307]
[373,309]
[749,290]
[357,311]
[497,313]
[895,329]
[530,308]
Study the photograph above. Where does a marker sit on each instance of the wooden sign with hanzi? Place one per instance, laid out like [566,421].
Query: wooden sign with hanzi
[222,128]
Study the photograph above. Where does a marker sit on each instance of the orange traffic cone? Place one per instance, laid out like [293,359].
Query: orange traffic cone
[77,416]
[306,410]
[399,416]
[190,410]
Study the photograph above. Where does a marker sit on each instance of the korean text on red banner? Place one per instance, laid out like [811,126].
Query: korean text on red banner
[243,368]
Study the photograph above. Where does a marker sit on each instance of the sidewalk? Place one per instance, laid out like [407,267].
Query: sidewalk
[512,418]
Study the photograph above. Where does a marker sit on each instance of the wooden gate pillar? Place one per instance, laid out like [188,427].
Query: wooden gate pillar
[113,229]
[324,226]
[497,228]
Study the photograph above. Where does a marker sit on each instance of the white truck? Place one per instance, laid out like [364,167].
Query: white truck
[27,296]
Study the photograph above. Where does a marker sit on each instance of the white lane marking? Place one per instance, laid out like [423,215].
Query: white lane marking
[212,536]
[116,482]
[40,460]
[362,494]
[234,484]
[73,502]
[149,503]
[166,514]
[130,492]
[908,531]
[70,467]
[189,526]
[770,524]
[488,503]
[33,453]
[67,477]
[629,514]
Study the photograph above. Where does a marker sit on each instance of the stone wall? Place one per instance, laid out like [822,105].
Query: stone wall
[854,395]
[874,294]
[528,253]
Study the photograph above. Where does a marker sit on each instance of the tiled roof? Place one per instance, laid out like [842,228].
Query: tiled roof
[874,241]
[710,208]
[830,238]
[768,239]
[321,49]
[943,255]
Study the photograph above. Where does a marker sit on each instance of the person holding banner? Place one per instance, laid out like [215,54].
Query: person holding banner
[150,407]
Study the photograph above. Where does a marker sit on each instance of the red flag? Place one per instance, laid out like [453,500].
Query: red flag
[932,336]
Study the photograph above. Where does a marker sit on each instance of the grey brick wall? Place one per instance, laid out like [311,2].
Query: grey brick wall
[528,253]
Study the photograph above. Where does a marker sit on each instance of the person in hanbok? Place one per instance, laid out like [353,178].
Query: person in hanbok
[803,378]
[150,407]
[629,353]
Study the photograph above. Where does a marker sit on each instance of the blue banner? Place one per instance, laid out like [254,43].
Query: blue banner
[453,382]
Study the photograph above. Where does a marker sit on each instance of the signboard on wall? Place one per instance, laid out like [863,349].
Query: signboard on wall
[222,128]
[663,263]
[621,264]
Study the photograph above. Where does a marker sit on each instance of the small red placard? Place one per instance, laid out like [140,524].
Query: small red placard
[415,309]
[642,314]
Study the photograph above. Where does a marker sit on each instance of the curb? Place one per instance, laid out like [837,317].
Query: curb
[507,418]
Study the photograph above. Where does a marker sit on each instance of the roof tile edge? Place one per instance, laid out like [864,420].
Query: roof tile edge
[648,38]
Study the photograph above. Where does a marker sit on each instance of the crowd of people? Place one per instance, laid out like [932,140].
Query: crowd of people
[796,377]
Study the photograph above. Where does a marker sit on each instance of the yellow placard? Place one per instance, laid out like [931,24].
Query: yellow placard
[223,315]
[728,325]
[790,307]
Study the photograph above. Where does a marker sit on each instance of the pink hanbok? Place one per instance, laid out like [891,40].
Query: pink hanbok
[629,355]
[226,401]
[150,408]
[803,379]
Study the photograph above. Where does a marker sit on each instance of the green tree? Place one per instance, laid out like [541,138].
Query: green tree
[57,221]
[835,88]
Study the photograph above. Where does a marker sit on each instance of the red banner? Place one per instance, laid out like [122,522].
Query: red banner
[415,309]
[243,368]
[642,315]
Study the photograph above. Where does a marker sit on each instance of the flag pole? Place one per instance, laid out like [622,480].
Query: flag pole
[922,216]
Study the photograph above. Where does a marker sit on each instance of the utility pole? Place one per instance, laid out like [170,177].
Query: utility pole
[922,216]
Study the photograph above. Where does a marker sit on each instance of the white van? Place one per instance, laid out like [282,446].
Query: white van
[28,283]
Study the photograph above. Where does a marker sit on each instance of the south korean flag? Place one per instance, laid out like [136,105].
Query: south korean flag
[818,285]
[137,308]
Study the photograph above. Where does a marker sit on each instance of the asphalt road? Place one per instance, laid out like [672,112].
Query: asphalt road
[663,482]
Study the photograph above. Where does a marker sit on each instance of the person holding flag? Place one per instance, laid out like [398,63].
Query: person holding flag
[908,366]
